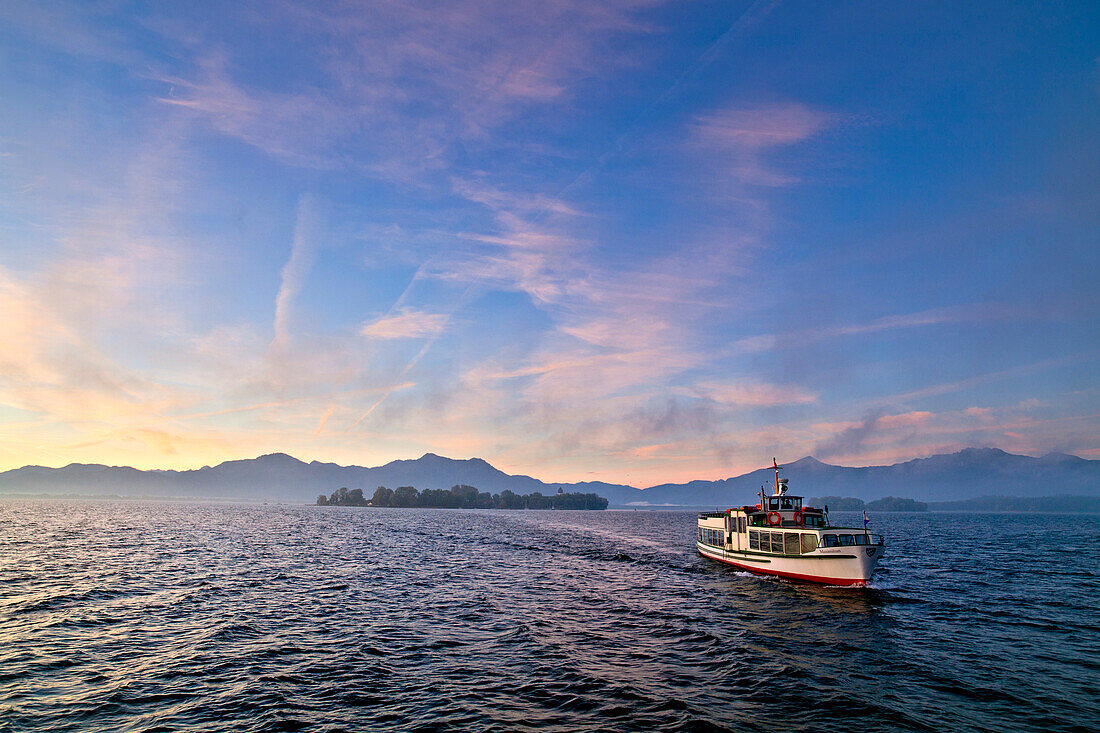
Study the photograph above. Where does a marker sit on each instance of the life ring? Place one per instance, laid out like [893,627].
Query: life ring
[799,519]
[774,522]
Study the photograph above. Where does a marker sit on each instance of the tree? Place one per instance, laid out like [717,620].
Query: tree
[466,495]
[382,497]
[322,500]
[405,496]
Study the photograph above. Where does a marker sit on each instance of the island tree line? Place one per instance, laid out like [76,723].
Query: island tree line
[461,497]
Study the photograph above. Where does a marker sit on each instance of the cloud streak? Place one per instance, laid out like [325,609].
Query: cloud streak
[406,324]
[303,252]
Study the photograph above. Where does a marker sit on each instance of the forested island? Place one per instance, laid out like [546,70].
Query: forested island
[1045,504]
[852,504]
[461,497]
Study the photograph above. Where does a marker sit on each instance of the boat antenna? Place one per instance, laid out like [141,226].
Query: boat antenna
[776,466]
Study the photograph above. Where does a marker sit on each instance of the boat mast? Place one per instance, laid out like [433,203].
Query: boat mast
[776,467]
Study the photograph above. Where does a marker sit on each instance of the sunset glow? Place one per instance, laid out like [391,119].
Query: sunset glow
[620,240]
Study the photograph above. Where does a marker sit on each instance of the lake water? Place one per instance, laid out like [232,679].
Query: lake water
[129,616]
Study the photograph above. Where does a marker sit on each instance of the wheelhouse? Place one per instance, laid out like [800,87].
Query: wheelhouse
[783,537]
[780,524]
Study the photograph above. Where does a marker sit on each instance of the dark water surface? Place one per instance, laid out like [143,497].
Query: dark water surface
[123,616]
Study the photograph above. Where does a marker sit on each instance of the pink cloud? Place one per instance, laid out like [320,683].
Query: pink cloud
[406,324]
[738,139]
[464,67]
[754,394]
[757,128]
[904,420]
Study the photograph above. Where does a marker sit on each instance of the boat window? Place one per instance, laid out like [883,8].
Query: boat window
[861,539]
[786,504]
[846,540]
[809,542]
[790,543]
[777,542]
[754,539]
[830,540]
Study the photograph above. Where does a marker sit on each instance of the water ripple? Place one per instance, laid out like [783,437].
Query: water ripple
[212,617]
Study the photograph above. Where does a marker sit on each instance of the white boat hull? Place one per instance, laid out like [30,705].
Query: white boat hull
[851,565]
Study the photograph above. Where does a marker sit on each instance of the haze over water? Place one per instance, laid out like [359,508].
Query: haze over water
[211,617]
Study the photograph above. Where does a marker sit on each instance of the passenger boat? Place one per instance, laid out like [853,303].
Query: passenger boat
[781,537]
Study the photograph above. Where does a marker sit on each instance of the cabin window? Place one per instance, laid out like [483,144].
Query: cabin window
[830,540]
[861,539]
[786,504]
[847,540]
[777,542]
[754,539]
[809,542]
[773,503]
[790,543]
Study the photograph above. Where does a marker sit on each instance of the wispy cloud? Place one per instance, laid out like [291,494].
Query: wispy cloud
[738,139]
[395,87]
[303,251]
[753,394]
[406,324]
[965,314]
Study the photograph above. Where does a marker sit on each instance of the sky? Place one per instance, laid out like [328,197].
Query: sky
[620,240]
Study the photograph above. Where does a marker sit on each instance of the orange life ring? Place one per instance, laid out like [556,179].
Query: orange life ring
[799,519]
[778,519]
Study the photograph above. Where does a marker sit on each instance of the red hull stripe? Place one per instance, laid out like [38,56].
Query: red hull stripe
[793,576]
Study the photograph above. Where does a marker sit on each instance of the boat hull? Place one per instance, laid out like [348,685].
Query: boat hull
[851,567]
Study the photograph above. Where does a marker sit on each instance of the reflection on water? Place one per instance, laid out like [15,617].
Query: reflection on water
[212,617]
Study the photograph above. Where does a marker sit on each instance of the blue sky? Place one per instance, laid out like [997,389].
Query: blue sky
[626,241]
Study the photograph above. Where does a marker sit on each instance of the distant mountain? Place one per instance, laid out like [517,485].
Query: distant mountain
[968,474]
[278,476]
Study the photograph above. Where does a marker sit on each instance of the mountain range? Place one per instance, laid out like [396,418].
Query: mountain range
[968,474]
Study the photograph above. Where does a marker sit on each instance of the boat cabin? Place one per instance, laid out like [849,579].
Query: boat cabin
[783,537]
[793,528]
[784,510]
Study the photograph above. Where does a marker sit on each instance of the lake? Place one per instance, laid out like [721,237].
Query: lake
[157,616]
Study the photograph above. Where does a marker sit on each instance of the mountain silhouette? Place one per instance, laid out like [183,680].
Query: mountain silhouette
[967,474]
